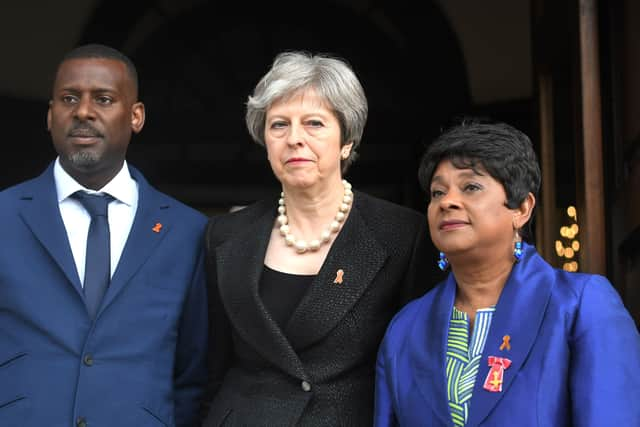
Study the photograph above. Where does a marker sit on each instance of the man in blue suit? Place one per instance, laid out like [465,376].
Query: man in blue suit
[92,336]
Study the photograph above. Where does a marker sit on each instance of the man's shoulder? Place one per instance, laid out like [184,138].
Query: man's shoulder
[178,208]
[149,195]
[20,190]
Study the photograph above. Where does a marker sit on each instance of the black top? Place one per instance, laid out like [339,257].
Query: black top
[281,293]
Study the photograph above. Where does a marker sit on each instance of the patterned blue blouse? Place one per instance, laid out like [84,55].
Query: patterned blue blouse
[463,359]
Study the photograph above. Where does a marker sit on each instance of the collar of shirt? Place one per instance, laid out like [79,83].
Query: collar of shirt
[122,187]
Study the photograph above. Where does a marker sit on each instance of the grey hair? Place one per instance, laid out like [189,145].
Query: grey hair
[331,78]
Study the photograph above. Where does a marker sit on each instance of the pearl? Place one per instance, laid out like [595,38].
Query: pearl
[301,246]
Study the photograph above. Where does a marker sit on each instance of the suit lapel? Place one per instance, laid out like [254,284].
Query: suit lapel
[519,314]
[41,213]
[142,239]
[428,349]
[360,257]
[240,261]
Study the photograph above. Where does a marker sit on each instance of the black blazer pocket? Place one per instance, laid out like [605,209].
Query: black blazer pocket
[218,417]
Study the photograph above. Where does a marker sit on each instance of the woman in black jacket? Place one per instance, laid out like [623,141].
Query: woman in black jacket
[302,285]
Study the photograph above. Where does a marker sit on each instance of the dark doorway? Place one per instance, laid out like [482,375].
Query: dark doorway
[199,61]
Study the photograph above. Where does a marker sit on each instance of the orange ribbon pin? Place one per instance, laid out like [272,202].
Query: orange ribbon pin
[505,343]
[339,275]
[156,228]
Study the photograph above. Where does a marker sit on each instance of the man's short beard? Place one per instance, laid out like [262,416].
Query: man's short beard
[84,159]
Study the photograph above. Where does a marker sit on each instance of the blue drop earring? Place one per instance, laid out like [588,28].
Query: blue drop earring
[517,251]
[443,262]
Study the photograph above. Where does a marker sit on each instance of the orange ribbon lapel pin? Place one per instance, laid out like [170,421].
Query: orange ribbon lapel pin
[505,343]
[156,228]
[339,274]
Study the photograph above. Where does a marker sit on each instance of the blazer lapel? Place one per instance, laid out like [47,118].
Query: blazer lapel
[41,213]
[519,314]
[240,261]
[360,257]
[142,238]
[428,350]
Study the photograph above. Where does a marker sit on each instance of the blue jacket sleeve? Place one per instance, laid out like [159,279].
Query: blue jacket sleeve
[383,408]
[605,368]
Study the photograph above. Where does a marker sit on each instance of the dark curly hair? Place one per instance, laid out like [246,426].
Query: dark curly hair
[502,150]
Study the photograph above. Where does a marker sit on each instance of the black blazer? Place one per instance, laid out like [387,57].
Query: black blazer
[319,370]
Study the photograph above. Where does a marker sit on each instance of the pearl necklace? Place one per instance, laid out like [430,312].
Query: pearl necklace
[302,246]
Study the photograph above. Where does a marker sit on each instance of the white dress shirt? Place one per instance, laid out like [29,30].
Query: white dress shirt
[123,188]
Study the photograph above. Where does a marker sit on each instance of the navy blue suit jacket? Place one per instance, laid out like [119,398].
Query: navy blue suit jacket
[142,361]
[575,355]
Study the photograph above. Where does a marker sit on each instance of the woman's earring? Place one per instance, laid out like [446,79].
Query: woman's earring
[443,262]
[517,251]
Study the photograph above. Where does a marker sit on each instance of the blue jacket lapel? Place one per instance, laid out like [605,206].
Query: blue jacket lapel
[142,239]
[519,314]
[41,213]
[429,349]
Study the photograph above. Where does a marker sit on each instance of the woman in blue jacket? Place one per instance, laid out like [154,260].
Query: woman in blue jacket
[505,340]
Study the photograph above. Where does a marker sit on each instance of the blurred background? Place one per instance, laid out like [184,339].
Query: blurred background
[565,73]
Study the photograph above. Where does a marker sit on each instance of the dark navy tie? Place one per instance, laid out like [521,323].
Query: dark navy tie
[97,273]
